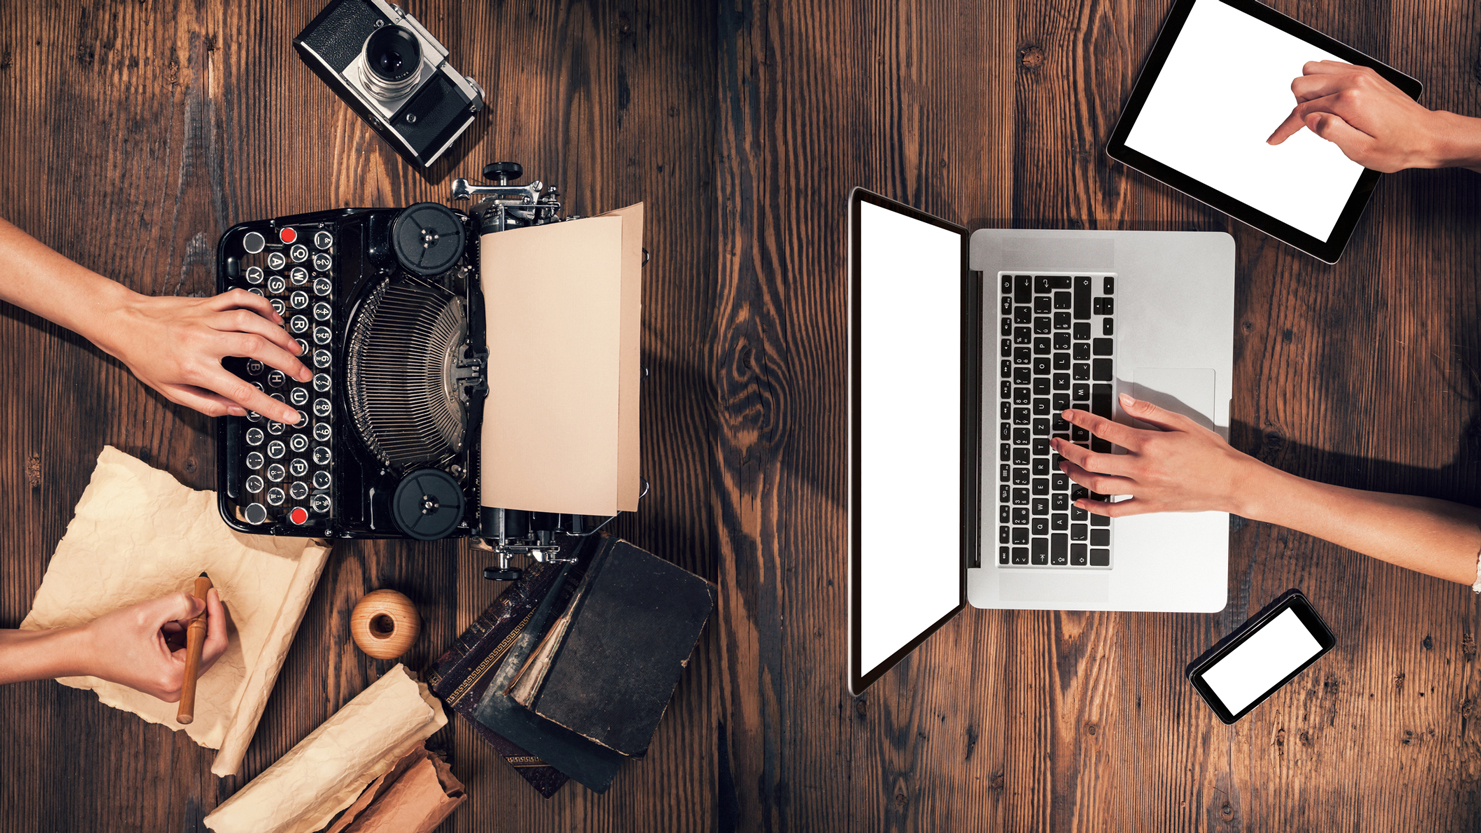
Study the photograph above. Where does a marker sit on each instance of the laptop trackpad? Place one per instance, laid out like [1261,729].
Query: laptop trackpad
[1184,390]
[1065,589]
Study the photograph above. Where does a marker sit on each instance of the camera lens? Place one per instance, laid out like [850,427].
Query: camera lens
[392,57]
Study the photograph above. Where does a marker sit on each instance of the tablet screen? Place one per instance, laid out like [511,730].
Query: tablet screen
[1224,89]
[1215,87]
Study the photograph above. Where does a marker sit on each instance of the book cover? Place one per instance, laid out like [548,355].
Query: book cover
[609,664]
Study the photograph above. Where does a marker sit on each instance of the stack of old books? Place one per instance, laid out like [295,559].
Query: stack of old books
[568,672]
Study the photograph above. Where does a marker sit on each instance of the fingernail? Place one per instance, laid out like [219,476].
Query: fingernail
[1126,400]
[236,411]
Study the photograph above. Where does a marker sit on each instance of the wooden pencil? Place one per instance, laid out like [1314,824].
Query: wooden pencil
[195,640]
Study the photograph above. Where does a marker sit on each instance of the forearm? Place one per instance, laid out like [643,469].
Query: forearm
[40,655]
[38,279]
[1457,141]
[1435,537]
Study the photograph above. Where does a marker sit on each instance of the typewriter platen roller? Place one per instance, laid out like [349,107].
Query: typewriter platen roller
[387,306]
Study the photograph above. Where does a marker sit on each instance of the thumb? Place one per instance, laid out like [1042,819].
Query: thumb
[1353,142]
[176,607]
[1144,411]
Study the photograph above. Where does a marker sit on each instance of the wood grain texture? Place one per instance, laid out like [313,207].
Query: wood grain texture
[132,134]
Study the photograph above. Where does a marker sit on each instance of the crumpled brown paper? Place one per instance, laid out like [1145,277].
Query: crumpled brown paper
[327,770]
[138,534]
[414,797]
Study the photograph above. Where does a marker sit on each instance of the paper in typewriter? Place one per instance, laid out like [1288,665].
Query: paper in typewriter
[563,311]
[138,534]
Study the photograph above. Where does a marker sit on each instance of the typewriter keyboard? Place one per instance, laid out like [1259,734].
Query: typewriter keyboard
[287,470]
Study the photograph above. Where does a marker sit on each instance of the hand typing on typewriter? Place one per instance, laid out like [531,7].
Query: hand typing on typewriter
[173,344]
[141,646]
[1375,124]
[1180,466]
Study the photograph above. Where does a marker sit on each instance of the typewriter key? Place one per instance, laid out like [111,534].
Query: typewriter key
[299,299]
[299,276]
[321,480]
[275,428]
[303,420]
[255,514]
[254,436]
[254,460]
[322,287]
[276,473]
[254,366]
[276,449]
[254,484]
[276,378]
[321,311]
[320,503]
[321,456]
[299,253]
[275,285]
[321,382]
[322,359]
[253,416]
[254,274]
[298,396]
[322,262]
[322,335]
[303,346]
[299,515]
[323,239]
[276,261]
[298,324]
[275,496]
[321,407]
[298,468]
[321,432]
[287,234]
[299,443]
[253,242]
[255,291]
[278,306]
[298,491]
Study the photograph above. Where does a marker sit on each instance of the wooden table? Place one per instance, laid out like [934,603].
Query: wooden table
[131,135]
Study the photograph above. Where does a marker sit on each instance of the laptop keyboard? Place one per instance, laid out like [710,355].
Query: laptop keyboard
[1057,336]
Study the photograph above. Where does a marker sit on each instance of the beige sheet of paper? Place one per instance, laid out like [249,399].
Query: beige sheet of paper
[138,534]
[563,313]
[329,769]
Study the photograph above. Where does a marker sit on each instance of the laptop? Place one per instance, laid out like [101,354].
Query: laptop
[963,350]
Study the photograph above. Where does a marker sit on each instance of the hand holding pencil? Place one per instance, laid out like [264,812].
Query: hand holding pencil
[144,646]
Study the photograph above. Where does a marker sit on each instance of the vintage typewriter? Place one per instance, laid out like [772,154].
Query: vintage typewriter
[386,304]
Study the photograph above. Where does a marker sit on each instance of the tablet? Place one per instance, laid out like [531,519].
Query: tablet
[1215,87]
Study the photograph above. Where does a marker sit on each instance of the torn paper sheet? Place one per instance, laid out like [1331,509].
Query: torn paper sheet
[414,797]
[138,534]
[327,770]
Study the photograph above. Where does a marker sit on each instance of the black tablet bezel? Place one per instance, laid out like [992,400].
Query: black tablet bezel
[1328,250]
[858,677]
[1293,600]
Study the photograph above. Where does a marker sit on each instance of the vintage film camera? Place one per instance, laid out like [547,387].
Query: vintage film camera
[388,307]
[393,73]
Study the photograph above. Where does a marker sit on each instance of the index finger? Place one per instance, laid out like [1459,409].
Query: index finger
[1288,128]
[1125,436]
[215,644]
[246,394]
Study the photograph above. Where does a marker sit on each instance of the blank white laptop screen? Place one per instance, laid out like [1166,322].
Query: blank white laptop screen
[1225,87]
[910,563]
[1262,661]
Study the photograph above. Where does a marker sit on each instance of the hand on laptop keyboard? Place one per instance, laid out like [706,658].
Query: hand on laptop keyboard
[1181,467]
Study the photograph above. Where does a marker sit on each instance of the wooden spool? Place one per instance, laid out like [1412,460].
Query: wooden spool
[384,624]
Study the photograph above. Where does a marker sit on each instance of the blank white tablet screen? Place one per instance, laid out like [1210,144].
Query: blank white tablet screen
[1262,661]
[1225,87]
[910,284]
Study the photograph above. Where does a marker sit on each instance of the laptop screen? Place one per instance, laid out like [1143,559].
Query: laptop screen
[906,443]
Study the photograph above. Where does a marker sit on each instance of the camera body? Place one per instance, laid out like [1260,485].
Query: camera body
[393,73]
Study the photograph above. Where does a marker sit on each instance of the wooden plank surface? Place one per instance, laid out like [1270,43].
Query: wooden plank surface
[131,135]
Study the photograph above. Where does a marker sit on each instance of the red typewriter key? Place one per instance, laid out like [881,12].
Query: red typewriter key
[287,234]
[299,515]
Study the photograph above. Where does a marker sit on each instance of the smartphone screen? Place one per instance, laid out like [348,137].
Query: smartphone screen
[1262,655]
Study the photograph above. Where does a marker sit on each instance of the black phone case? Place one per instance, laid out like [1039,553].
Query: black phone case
[1261,617]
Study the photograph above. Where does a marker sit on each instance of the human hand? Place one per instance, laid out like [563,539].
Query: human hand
[175,345]
[1183,467]
[1373,122]
[143,646]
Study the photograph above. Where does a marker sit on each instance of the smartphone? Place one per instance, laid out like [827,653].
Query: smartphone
[1263,654]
